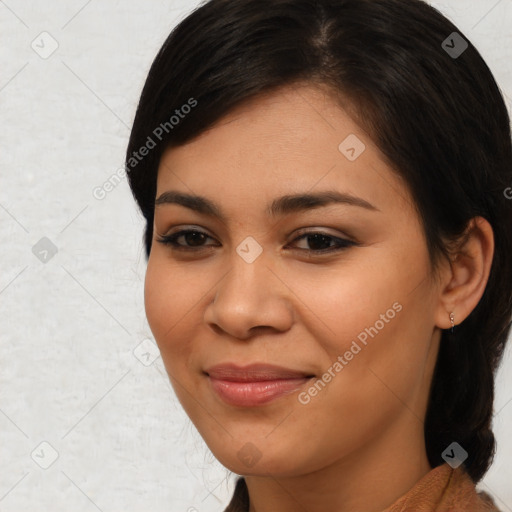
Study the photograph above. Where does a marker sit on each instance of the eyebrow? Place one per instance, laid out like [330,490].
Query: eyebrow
[279,206]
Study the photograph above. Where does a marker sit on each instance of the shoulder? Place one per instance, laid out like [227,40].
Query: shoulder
[462,492]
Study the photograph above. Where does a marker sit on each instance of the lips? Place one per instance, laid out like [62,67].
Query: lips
[256,384]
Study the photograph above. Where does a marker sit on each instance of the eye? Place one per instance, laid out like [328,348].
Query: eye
[190,236]
[194,240]
[320,242]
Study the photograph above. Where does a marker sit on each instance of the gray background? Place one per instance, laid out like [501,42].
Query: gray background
[79,369]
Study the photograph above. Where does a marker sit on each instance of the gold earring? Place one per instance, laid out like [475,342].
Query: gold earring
[452,317]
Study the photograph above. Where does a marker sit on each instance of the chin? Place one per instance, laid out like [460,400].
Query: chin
[260,459]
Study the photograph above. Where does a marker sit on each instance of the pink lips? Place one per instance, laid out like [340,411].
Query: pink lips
[255,384]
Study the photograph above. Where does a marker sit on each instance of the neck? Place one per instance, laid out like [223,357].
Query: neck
[370,478]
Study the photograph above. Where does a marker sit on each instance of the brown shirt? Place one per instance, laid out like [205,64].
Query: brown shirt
[443,489]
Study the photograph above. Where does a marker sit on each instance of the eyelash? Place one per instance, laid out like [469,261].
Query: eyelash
[171,240]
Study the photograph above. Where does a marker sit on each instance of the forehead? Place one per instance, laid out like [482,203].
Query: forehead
[294,139]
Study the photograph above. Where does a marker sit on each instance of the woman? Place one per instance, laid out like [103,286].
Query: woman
[328,241]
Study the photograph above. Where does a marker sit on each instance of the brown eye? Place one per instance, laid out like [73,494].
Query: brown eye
[191,237]
[320,243]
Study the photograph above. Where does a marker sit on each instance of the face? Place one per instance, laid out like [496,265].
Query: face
[336,292]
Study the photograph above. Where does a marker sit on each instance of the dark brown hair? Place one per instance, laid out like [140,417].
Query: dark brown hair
[438,118]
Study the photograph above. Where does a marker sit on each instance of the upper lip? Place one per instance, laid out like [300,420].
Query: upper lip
[254,372]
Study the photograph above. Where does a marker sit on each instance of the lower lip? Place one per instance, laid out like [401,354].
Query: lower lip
[250,394]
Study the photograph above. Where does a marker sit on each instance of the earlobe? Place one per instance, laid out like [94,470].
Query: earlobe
[467,275]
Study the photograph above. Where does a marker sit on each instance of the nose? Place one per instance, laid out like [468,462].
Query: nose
[250,298]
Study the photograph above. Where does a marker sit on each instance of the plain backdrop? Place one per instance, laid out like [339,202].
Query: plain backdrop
[88,419]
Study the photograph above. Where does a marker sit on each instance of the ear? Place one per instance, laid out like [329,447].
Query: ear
[465,279]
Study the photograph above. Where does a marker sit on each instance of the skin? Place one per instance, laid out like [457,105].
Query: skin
[358,444]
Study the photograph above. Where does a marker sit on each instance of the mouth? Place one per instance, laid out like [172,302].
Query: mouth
[256,384]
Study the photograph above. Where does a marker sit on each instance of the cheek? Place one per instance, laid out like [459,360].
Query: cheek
[376,318]
[344,303]
[156,300]
[379,358]
[168,302]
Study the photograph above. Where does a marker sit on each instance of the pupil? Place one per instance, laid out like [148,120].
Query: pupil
[318,238]
[194,238]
